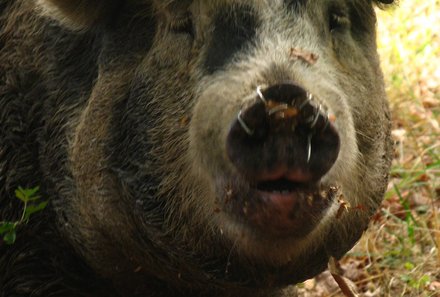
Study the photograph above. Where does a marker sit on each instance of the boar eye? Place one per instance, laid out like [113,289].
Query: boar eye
[183,26]
[338,22]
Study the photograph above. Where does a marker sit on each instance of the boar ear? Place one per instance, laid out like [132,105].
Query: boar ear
[80,14]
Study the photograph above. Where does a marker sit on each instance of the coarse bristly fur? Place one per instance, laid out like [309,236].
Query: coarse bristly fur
[120,110]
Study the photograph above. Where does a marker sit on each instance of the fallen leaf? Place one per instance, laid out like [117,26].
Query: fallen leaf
[308,57]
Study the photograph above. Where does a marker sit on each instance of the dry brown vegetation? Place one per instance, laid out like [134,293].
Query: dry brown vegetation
[399,255]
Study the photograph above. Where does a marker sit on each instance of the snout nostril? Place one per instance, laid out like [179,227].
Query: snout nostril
[251,122]
[314,118]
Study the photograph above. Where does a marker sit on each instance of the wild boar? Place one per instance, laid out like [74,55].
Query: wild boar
[187,148]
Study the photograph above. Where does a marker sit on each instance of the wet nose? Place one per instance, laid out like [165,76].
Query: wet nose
[283,133]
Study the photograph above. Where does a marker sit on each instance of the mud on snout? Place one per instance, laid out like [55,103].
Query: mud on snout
[275,155]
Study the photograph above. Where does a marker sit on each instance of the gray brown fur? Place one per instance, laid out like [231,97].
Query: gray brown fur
[106,105]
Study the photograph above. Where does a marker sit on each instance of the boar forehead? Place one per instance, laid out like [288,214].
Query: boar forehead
[233,25]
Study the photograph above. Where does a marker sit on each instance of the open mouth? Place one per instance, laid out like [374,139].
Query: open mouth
[279,186]
[280,207]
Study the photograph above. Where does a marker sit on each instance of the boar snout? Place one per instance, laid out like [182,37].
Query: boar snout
[284,133]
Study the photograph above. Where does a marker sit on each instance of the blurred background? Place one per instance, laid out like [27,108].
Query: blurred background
[400,253]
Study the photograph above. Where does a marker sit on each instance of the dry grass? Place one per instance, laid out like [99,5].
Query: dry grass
[400,253]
